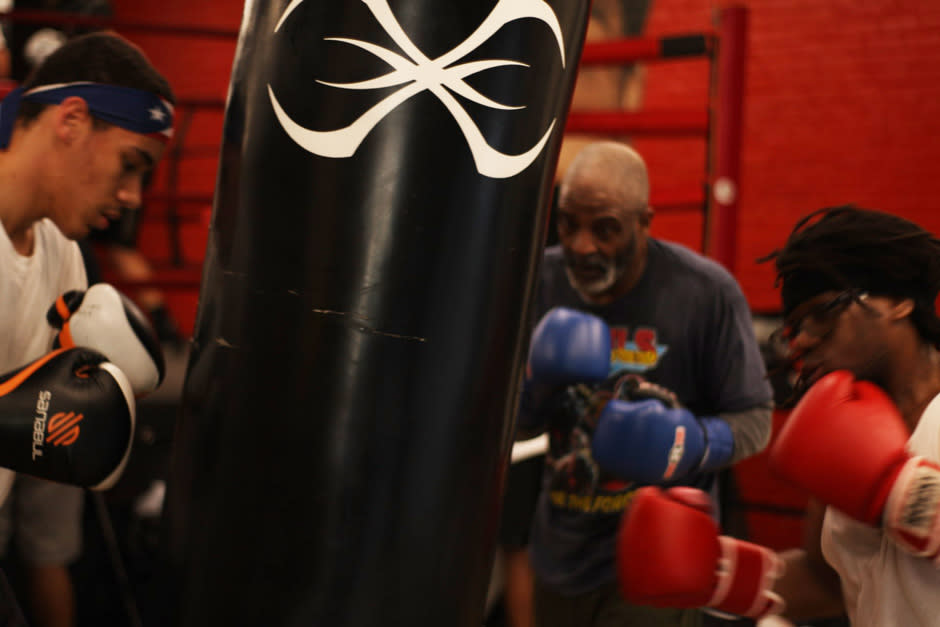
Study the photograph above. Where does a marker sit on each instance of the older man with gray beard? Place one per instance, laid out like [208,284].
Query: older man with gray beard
[676,319]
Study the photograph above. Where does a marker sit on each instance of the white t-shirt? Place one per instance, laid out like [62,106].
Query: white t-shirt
[883,584]
[28,287]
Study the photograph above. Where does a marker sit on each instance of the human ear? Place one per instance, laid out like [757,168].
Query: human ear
[71,117]
[900,309]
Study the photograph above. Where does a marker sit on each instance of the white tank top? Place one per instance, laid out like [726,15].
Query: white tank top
[883,585]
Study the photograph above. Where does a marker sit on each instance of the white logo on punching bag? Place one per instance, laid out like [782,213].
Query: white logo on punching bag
[418,73]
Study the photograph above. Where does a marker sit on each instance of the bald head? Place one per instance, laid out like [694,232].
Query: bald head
[603,220]
[611,170]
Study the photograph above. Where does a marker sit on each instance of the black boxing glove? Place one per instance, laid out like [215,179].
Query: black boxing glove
[67,417]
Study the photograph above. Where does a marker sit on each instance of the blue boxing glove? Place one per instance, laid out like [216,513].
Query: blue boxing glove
[648,442]
[567,347]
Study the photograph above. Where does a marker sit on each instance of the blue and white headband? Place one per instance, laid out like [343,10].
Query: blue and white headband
[132,109]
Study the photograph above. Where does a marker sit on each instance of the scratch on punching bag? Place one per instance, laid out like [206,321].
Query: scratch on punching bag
[385,174]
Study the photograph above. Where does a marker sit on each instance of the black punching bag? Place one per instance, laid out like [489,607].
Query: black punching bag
[381,203]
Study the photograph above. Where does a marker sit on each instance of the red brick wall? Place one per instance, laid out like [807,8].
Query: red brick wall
[842,105]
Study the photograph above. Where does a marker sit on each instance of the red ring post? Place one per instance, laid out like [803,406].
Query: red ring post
[729,104]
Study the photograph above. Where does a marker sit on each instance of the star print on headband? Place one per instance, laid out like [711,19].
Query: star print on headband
[132,109]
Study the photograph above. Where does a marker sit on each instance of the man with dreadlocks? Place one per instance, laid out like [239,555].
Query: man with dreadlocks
[859,290]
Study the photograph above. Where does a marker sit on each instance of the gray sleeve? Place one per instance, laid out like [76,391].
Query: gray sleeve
[734,375]
[750,428]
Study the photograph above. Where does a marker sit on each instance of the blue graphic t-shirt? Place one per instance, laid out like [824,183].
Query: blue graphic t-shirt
[686,326]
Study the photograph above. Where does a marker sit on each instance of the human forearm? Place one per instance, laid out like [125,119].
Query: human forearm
[809,588]
[750,429]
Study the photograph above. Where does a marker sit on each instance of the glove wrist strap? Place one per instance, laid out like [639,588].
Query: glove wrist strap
[719,443]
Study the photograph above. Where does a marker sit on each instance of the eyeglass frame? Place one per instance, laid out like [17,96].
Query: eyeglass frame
[827,314]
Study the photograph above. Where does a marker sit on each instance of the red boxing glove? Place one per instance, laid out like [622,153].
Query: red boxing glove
[845,443]
[669,554]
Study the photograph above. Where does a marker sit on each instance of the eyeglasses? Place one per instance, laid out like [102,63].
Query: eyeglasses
[816,319]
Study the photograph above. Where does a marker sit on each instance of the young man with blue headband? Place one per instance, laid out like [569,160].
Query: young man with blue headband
[77,140]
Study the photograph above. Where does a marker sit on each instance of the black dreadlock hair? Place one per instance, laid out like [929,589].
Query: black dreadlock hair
[838,248]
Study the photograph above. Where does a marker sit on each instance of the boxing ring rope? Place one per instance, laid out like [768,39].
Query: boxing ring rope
[659,123]
[616,51]
[648,122]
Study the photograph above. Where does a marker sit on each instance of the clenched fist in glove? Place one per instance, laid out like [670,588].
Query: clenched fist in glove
[670,554]
[845,443]
[67,417]
[567,347]
[105,320]
[644,435]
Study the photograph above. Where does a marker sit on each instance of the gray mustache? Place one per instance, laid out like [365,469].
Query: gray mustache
[592,262]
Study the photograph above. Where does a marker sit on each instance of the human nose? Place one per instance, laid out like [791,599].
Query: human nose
[800,341]
[582,243]
[130,194]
